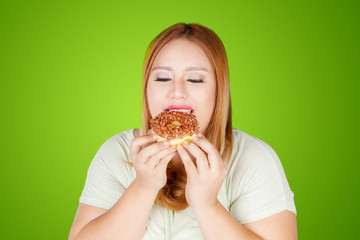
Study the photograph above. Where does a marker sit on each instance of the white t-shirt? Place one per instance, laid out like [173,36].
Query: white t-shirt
[254,188]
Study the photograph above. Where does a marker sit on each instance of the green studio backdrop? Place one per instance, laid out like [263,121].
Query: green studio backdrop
[71,79]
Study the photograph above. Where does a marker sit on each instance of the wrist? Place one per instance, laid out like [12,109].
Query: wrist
[143,190]
[206,208]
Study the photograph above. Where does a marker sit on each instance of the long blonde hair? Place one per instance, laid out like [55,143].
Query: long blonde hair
[219,131]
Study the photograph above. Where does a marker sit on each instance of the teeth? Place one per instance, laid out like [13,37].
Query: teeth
[182,110]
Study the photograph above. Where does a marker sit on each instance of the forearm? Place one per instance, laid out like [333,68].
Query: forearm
[217,223]
[127,219]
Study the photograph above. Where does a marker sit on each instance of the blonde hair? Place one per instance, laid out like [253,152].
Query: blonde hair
[219,131]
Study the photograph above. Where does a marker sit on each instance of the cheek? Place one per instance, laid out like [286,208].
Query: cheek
[205,98]
[205,104]
[150,91]
[155,99]
[204,118]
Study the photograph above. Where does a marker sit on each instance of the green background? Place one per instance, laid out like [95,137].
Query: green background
[71,79]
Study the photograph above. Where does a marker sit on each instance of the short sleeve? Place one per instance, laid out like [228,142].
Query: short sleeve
[103,187]
[259,184]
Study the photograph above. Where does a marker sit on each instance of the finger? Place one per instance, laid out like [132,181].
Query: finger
[137,143]
[188,163]
[154,160]
[162,165]
[213,154]
[151,150]
[201,160]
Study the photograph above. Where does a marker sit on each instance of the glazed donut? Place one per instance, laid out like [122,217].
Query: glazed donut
[175,127]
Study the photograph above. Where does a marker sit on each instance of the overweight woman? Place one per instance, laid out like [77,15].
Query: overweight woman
[225,184]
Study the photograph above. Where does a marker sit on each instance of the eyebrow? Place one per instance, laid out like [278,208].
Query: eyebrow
[186,69]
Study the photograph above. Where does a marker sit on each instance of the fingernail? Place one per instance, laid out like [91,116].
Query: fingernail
[166,143]
[155,137]
[200,135]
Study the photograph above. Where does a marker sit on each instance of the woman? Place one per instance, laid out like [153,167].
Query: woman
[224,185]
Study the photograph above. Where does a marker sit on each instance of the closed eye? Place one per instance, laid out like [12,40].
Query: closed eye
[196,80]
[163,79]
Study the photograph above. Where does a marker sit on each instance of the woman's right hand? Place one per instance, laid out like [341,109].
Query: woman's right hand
[150,160]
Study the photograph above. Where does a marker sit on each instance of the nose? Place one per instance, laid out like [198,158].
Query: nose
[178,89]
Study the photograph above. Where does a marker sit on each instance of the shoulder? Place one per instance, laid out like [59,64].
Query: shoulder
[250,148]
[123,138]
[111,158]
[254,159]
[257,183]
[119,141]
[114,148]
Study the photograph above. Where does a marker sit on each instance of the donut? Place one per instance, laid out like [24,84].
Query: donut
[175,126]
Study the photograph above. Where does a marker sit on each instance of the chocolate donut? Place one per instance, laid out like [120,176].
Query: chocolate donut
[175,127]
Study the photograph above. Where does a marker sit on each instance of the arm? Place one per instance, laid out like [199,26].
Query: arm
[217,223]
[129,215]
[279,226]
[127,218]
[204,182]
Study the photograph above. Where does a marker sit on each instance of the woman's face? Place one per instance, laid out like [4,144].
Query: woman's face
[182,77]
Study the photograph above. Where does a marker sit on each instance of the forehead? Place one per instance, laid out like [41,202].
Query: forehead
[181,53]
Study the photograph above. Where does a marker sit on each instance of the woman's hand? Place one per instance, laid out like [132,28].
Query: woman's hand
[204,180]
[150,159]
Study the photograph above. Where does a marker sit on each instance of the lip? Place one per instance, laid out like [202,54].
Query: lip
[178,107]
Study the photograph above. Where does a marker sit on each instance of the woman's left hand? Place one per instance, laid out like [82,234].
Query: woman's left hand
[204,179]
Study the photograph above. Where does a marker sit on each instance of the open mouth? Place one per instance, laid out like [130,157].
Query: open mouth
[180,108]
[189,111]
